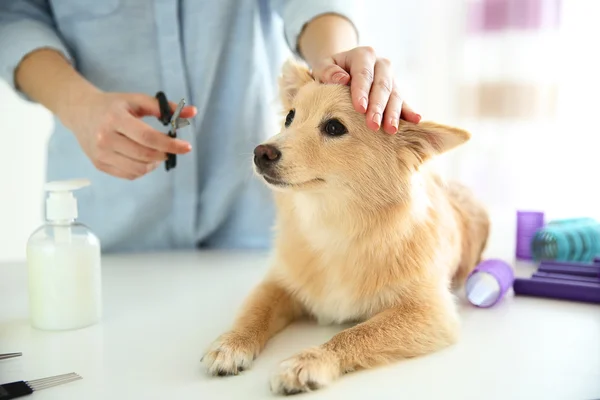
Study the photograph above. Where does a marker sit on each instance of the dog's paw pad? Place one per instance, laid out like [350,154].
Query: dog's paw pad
[229,355]
[308,371]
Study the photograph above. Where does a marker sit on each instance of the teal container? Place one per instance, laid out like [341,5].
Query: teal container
[574,239]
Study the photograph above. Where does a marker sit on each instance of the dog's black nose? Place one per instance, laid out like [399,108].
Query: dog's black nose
[265,155]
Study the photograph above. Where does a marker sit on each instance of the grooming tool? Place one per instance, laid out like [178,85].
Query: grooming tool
[10,355]
[568,277]
[489,282]
[172,119]
[569,263]
[17,389]
[576,239]
[592,270]
[528,222]
[588,292]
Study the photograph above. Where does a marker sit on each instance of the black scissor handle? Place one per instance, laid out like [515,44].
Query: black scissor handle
[165,119]
[165,108]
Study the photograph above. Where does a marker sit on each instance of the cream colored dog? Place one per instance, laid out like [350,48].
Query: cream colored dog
[365,233]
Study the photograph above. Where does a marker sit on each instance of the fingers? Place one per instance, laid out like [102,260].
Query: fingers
[381,90]
[391,115]
[123,167]
[362,70]
[409,115]
[127,147]
[114,171]
[144,105]
[129,169]
[372,87]
[145,135]
[329,72]
[186,111]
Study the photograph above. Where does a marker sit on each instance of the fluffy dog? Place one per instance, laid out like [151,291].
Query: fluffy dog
[365,233]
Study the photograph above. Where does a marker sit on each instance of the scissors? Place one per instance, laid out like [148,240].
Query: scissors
[173,119]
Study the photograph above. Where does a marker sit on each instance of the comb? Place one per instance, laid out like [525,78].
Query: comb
[10,355]
[17,389]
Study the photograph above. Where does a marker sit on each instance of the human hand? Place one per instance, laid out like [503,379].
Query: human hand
[372,86]
[109,129]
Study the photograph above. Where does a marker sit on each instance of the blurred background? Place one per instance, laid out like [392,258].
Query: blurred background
[521,75]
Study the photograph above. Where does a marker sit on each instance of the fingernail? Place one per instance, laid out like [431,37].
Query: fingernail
[377,119]
[418,117]
[339,76]
[363,103]
[394,123]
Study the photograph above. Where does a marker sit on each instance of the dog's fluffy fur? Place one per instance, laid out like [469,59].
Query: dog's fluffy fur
[365,233]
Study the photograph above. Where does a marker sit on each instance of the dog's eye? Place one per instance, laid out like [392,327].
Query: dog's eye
[333,127]
[289,118]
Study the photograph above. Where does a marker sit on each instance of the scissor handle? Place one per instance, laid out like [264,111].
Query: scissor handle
[165,108]
[165,119]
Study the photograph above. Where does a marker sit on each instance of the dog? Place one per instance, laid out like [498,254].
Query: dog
[366,233]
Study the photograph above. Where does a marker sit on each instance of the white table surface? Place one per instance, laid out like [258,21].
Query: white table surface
[162,310]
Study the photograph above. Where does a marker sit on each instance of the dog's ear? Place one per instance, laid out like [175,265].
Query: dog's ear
[293,76]
[428,139]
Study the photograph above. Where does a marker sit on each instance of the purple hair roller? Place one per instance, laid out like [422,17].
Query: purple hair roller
[588,292]
[567,277]
[528,222]
[489,282]
[592,270]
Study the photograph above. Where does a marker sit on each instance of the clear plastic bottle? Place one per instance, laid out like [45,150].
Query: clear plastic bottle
[64,265]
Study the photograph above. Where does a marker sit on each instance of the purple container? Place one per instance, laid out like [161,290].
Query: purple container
[528,222]
[489,282]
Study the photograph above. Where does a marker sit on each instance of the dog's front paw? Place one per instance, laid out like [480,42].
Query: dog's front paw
[230,354]
[310,370]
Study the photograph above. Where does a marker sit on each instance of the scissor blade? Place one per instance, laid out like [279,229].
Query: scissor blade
[181,123]
[175,116]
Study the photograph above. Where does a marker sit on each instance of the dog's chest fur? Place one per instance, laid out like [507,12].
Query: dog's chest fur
[341,273]
[335,292]
[337,276]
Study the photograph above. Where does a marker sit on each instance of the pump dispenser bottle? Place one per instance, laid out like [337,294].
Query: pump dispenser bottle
[63,260]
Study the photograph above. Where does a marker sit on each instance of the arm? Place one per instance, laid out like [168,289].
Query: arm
[35,61]
[26,26]
[47,77]
[326,35]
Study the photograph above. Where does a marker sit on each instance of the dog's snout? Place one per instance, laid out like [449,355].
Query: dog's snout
[265,155]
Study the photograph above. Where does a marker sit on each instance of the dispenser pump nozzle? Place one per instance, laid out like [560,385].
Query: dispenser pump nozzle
[61,205]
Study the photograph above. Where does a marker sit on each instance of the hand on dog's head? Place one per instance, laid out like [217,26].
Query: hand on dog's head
[324,144]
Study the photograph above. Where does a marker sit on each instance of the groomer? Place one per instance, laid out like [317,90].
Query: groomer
[96,65]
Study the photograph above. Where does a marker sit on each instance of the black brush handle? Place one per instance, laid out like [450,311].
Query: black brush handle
[14,390]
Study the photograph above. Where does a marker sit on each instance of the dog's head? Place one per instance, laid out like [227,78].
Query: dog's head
[324,144]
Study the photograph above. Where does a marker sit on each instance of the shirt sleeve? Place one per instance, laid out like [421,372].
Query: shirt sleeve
[25,26]
[297,13]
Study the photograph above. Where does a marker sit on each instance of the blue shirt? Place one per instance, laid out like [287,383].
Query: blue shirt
[223,56]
